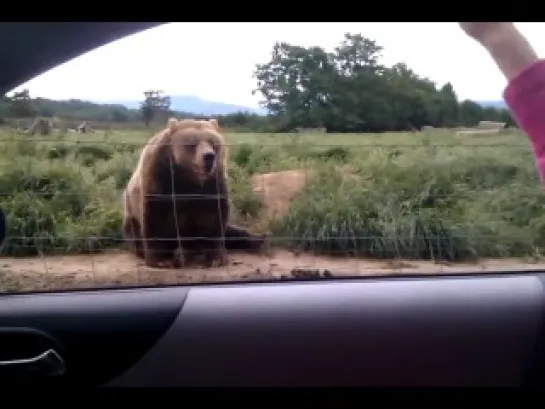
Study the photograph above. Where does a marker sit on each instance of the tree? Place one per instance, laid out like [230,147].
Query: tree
[350,90]
[20,105]
[470,113]
[449,108]
[155,104]
[295,85]
[358,87]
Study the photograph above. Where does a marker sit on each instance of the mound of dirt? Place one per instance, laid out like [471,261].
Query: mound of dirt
[278,189]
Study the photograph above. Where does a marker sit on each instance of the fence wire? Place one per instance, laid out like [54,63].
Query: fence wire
[350,204]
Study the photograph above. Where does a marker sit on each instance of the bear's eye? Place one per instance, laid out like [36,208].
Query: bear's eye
[191,147]
[214,144]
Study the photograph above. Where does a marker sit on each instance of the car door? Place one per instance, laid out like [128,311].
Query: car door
[337,308]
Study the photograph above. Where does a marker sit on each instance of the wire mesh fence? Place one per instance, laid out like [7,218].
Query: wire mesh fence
[346,204]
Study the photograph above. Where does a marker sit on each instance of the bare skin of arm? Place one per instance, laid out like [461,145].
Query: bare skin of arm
[505,44]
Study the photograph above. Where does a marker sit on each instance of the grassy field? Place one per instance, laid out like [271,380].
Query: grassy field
[406,195]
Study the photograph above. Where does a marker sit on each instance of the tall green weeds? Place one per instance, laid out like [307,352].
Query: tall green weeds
[381,196]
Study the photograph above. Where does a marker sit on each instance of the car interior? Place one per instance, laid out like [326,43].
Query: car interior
[471,329]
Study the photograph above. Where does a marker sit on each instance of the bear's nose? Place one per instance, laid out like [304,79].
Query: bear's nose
[208,159]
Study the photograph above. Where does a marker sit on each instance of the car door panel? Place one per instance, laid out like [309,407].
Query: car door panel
[443,331]
[438,332]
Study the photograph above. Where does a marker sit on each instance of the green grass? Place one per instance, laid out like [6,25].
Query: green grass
[422,196]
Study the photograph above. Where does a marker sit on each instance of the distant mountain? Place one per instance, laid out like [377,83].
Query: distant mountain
[493,104]
[195,105]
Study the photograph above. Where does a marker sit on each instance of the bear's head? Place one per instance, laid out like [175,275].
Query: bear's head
[198,146]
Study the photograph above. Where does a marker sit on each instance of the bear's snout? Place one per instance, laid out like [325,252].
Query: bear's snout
[208,160]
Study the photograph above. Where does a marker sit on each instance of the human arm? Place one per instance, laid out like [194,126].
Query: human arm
[525,73]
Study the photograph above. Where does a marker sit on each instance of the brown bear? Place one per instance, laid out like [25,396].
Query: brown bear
[176,202]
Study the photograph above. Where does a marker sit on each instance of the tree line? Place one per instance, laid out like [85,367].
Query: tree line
[154,108]
[350,90]
[21,105]
[346,90]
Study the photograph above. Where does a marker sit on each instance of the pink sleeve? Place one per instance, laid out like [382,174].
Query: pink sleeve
[525,97]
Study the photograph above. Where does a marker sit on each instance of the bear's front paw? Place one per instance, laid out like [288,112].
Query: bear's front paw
[164,263]
[150,259]
[262,245]
[216,258]
[154,261]
[167,264]
[180,258]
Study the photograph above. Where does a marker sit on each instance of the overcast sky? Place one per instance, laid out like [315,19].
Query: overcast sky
[215,60]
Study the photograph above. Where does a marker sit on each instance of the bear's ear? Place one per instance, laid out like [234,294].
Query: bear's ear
[172,124]
[214,123]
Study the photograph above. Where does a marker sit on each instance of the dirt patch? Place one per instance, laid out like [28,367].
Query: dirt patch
[122,269]
[278,189]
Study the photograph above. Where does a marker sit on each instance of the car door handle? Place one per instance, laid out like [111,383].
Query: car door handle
[48,363]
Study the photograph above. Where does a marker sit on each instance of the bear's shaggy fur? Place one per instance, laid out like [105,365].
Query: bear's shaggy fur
[176,201]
